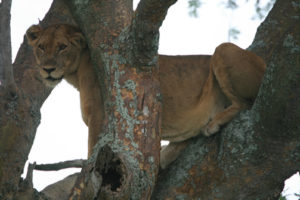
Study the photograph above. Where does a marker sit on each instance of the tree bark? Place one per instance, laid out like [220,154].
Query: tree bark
[126,158]
[20,111]
[253,155]
[5,44]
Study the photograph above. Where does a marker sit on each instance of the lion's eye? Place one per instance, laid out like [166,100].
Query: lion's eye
[41,47]
[62,47]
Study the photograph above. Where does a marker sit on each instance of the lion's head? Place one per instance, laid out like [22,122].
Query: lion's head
[57,50]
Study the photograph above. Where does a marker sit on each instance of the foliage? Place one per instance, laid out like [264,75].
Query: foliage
[261,10]
[231,4]
[193,6]
[233,33]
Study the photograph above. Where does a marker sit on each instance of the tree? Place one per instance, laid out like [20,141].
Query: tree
[249,159]
[261,10]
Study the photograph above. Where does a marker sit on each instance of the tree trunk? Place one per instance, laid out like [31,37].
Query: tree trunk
[253,155]
[249,159]
[124,47]
[5,50]
[20,109]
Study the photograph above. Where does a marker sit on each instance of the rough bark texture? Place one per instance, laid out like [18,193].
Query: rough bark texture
[5,44]
[253,155]
[249,159]
[20,113]
[126,158]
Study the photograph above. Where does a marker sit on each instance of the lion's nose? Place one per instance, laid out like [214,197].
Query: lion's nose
[49,70]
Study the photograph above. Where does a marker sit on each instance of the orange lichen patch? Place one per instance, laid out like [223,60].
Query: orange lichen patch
[202,177]
[81,185]
[77,191]
[193,181]
[126,94]
[139,133]
[116,113]
[141,117]
[126,142]
[141,165]
[205,177]
[251,173]
[138,129]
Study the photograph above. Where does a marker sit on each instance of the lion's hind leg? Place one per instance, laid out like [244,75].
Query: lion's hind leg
[227,75]
[236,105]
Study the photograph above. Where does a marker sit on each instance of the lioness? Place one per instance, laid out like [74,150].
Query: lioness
[200,93]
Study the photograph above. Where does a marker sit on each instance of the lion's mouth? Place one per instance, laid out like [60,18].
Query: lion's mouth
[50,78]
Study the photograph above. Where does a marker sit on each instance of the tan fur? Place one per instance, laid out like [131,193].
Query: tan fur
[200,93]
[61,52]
[202,98]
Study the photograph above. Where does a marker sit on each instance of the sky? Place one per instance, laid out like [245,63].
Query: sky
[62,135]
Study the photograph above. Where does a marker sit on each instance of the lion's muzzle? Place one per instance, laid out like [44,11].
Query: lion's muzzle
[49,70]
[51,74]
[50,78]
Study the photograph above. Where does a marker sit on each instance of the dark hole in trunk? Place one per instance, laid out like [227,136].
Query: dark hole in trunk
[111,168]
[112,176]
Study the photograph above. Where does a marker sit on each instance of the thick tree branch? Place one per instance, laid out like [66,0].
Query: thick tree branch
[274,27]
[148,18]
[6,74]
[253,155]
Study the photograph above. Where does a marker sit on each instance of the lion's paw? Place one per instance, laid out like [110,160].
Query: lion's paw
[211,129]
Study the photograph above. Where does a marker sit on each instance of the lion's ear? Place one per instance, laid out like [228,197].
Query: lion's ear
[78,40]
[33,34]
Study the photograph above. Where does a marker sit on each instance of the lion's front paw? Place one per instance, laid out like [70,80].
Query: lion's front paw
[211,129]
